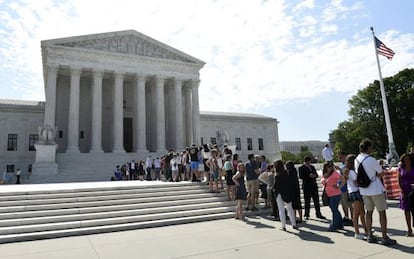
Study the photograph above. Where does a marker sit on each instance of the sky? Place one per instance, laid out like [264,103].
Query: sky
[296,61]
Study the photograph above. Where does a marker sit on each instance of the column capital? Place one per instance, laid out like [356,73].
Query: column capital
[194,83]
[97,72]
[75,70]
[178,81]
[119,74]
[52,68]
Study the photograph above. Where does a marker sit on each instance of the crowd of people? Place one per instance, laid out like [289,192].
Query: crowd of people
[341,186]
[278,184]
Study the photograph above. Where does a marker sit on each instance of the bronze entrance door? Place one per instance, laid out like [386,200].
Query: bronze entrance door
[128,138]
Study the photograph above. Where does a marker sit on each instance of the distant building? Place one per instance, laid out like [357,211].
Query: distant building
[294,147]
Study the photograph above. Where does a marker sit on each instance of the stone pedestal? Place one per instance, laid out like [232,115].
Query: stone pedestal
[45,164]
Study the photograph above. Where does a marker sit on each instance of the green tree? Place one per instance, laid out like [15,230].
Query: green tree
[286,156]
[367,116]
[304,152]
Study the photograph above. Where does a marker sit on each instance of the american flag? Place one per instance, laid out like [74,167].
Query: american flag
[383,50]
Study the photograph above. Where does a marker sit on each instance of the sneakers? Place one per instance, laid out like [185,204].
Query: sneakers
[283,228]
[387,241]
[360,237]
[295,227]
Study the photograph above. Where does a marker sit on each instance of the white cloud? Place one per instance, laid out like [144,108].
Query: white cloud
[257,53]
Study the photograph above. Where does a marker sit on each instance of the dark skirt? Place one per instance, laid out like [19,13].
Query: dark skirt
[241,193]
[229,177]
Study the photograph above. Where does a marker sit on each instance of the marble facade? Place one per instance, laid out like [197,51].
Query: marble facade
[127,92]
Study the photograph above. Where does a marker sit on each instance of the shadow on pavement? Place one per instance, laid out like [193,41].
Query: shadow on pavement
[312,236]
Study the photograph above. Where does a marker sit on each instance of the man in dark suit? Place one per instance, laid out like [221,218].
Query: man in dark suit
[308,174]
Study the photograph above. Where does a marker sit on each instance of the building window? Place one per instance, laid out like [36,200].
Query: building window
[260,140]
[213,141]
[33,138]
[238,144]
[10,168]
[202,141]
[60,133]
[249,144]
[82,134]
[29,168]
[12,142]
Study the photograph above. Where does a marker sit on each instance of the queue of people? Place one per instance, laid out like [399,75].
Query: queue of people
[278,184]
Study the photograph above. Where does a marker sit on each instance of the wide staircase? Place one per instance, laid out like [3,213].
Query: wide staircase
[30,212]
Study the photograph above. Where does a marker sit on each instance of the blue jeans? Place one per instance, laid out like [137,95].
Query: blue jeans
[337,222]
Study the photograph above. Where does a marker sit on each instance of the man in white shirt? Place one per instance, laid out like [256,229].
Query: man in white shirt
[374,194]
[327,153]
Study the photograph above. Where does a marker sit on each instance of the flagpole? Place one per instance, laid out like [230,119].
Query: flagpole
[393,156]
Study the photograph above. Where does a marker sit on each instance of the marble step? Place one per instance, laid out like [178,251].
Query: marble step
[110,221]
[7,238]
[57,209]
[82,216]
[103,197]
[65,190]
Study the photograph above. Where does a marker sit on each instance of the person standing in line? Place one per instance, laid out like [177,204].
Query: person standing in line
[240,193]
[117,173]
[295,189]
[261,160]
[148,166]
[358,211]
[406,182]
[327,153]
[132,171]
[228,168]
[308,174]
[282,187]
[345,203]
[141,170]
[194,175]
[374,194]
[157,168]
[214,171]
[331,179]
[252,174]
[18,173]
[174,168]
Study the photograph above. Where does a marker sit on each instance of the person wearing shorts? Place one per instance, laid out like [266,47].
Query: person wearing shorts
[374,194]
[252,183]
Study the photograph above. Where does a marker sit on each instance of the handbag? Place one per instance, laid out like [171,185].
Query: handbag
[325,198]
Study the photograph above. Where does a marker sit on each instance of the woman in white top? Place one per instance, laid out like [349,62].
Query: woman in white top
[354,196]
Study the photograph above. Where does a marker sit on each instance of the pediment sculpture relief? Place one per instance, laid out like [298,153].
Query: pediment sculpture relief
[129,45]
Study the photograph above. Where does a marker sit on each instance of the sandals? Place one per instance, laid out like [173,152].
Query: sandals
[409,233]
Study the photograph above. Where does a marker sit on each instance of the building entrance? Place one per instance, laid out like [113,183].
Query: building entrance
[128,138]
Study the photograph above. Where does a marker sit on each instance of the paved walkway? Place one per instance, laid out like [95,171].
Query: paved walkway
[258,237]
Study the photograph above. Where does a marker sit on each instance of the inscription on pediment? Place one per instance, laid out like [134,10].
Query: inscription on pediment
[129,45]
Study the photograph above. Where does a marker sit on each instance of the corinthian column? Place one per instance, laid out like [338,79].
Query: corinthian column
[96,145]
[196,113]
[160,113]
[50,106]
[179,122]
[188,116]
[73,124]
[119,113]
[141,126]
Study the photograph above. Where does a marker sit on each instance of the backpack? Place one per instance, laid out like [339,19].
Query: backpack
[362,179]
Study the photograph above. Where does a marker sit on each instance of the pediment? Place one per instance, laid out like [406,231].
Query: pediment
[126,42]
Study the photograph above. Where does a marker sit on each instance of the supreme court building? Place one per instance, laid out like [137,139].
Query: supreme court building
[113,97]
